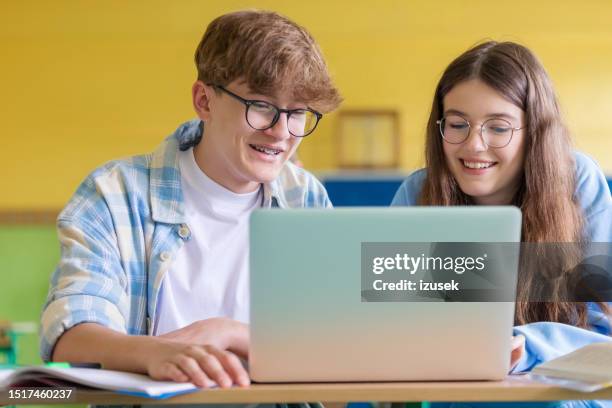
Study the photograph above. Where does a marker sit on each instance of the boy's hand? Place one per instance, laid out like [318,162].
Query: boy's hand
[201,365]
[198,353]
[221,333]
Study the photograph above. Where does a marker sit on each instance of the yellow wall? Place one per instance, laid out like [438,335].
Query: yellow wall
[84,82]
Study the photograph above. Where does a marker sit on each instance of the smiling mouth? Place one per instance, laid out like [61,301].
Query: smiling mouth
[266,150]
[477,165]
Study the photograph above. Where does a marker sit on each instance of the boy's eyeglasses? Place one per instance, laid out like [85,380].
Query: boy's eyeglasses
[262,115]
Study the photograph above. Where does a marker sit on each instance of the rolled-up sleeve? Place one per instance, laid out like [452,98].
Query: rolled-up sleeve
[89,283]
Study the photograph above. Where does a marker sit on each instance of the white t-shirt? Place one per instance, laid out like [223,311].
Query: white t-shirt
[209,275]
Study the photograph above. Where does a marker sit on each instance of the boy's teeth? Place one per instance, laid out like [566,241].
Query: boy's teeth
[476,165]
[265,150]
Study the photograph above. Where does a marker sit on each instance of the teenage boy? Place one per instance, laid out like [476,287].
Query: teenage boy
[153,276]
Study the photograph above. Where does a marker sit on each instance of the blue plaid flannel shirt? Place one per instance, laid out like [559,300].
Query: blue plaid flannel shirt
[120,232]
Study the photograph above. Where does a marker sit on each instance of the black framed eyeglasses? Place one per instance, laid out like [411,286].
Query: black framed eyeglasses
[496,132]
[262,115]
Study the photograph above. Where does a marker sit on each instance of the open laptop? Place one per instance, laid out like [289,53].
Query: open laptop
[310,315]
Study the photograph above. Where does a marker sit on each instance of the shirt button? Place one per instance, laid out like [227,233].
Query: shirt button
[164,256]
[184,231]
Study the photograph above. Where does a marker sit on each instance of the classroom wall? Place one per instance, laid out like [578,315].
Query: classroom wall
[84,82]
[28,253]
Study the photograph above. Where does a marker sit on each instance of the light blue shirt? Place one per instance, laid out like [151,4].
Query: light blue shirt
[548,340]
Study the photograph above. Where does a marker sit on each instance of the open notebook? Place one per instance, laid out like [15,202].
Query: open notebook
[118,381]
[586,369]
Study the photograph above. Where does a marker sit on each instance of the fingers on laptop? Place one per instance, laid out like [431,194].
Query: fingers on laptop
[207,365]
[232,365]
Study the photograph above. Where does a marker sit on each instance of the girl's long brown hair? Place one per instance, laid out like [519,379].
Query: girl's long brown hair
[551,213]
